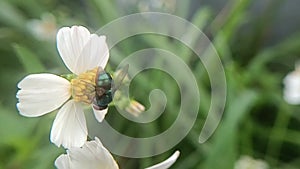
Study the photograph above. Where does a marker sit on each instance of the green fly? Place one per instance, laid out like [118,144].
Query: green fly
[106,86]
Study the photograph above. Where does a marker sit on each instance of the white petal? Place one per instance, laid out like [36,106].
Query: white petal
[69,127]
[167,163]
[292,87]
[63,162]
[94,54]
[42,93]
[104,156]
[92,155]
[80,50]
[100,114]
[70,42]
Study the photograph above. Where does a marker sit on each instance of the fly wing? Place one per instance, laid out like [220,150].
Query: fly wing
[120,76]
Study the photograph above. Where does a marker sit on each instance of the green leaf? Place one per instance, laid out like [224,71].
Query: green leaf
[10,15]
[29,60]
[290,46]
[12,126]
[224,150]
[107,9]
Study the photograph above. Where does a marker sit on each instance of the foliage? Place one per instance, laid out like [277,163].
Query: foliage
[256,122]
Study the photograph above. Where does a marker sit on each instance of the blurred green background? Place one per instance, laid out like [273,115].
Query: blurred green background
[258,42]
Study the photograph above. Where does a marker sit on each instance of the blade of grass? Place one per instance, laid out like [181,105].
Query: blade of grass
[29,60]
[11,16]
[224,148]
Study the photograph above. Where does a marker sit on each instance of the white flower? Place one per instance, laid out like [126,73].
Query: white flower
[44,28]
[168,6]
[246,162]
[291,92]
[39,94]
[93,155]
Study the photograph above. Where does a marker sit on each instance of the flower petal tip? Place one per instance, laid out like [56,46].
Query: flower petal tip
[42,93]
[100,114]
[80,50]
[167,163]
[69,127]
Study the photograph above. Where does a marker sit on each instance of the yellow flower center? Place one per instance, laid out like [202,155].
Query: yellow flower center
[83,86]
